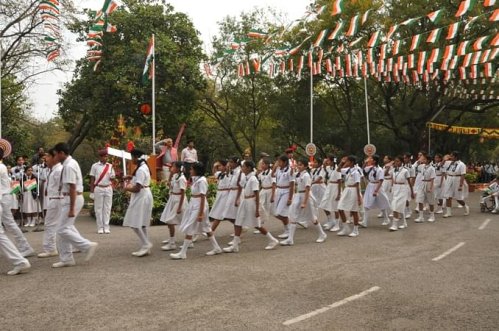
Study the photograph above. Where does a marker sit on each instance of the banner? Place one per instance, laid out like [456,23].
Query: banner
[484,132]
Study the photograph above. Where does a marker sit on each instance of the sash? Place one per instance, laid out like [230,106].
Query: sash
[103,173]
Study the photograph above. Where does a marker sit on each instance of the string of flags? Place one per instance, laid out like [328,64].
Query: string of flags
[100,25]
[49,12]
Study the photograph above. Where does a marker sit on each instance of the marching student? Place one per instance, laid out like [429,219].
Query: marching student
[223,189]
[318,184]
[7,248]
[248,214]
[439,180]
[71,188]
[176,204]
[234,196]
[195,219]
[267,189]
[425,191]
[387,188]
[31,206]
[332,195]
[283,195]
[101,178]
[351,199]
[455,186]
[374,196]
[412,175]
[53,202]
[303,208]
[139,212]
[401,181]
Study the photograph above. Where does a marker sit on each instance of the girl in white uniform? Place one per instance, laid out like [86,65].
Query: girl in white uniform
[223,188]
[332,195]
[351,199]
[266,190]
[374,196]
[195,220]
[31,206]
[139,212]
[439,180]
[318,186]
[234,196]
[175,207]
[303,208]
[401,182]
[425,192]
[455,186]
[412,175]
[283,195]
[248,214]
[387,188]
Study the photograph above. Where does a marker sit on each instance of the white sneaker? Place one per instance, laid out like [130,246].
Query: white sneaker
[178,256]
[142,252]
[394,226]
[286,242]
[408,215]
[20,268]
[283,235]
[169,247]
[420,219]
[355,232]
[386,221]
[48,254]
[380,215]
[345,231]
[321,239]
[459,206]
[328,225]
[431,219]
[439,210]
[272,244]
[107,231]
[195,238]
[231,249]
[214,251]
[495,211]
[448,213]
[335,228]
[166,241]
[230,243]
[61,264]
[100,231]
[466,210]
[256,232]
[403,225]
[29,253]
[363,224]
[91,251]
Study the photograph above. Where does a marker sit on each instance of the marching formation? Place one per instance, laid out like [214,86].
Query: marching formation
[249,195]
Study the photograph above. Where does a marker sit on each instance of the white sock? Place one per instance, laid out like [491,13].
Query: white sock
[185,246]
[270,236]
[292,229]
[319,229]
[142,237]
[214,242]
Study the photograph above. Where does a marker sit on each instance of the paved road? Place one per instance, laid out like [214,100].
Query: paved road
[261,290]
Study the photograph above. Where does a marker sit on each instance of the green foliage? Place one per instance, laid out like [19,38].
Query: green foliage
[472,177]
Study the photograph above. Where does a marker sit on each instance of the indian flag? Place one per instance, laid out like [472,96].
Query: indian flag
[354,26]
[148,71]
[478,44]
[487,69]
[485,56]
[257,34]
[320,38]
[45,5]
[365,16]
[415,42]
[15,187]
[337,30]
[464,7]
[452,31]
[30,185]
[434,34]
[495,16]
[392,30]
[51,56]
[495,41]
[488,3]
[435,16]
[109,6]
[396,47]
[373,41]
[421,61]
[337,7]
[461,50]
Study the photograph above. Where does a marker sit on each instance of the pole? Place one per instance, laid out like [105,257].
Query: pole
[153,95]
[429,140]
[367,111]
[311,104]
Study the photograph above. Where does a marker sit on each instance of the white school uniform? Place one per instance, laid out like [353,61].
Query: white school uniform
[284,179]
[422,195]
[30,204]
[247,210]
[267,181]
[103,193]
[374,175]
[453,173]
[349,197]
[400,187]
[387,182]
[223,188]
[418,168]
[139,210]
[412,174]
[439,181]
[53,204]
[333,178]
[230,208]
[318,189]
[190,225]
[169,214]
[309,213]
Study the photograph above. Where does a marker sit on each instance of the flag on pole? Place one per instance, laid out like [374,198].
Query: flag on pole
[30,185]
[15,187]
[464,7]
[148,71]
[337,7]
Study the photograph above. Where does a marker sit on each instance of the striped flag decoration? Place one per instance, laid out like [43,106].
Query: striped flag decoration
[373,41]
[421,61]
[354,26]
[464,7]
[495,41]
[337,7]
[495,16]
[396,47]
[392,30]
[488,3]
[365,16]
[337,30]
[453,28]
[478,44]
[415,42]
[435,16]
[320,38]
[462,47]
[434,34]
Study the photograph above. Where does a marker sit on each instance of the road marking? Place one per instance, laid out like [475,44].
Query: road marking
[484,224]
[455,248]
[331,306]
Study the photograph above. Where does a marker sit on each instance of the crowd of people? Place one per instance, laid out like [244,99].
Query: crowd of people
[249,195]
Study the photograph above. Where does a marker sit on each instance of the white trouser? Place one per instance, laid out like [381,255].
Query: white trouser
[103,200]
[51,220]
[7,248]
[166,174]
[67,234]
[11,226]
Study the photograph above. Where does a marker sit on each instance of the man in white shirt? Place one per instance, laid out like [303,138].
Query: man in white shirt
[71,188]
[189,156]
[168,155]
[101,178]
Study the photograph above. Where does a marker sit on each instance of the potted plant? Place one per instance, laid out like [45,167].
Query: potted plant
[471,178]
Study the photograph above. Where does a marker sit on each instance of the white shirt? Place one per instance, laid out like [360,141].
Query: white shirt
[352,176]
[266,178]
[96,171]
[4,180]
[303,180]
[178,183]
[142,176]
[53,181]
[71,174]
[189,155]
[284,177]
[456,168]
[251,185]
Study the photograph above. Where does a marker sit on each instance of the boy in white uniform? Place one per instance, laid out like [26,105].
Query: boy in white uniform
[455,185]
[101,177]
[412,178]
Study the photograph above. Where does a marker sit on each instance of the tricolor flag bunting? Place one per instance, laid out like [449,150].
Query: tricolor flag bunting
[365,17]
[415,42]
[488,3]
[320,38]
[434,34]
[257,34]
[148,71]
[109,6]
[354,26]
[495,16]
[337,7]
[478,44]
[453,28]
[435,16]
[337,30]
[392,30]
[464,7]
[373,41]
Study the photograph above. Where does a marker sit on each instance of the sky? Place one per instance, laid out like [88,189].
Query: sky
[204,15]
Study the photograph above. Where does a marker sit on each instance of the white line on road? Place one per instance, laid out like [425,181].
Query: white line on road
[484,224]
[331,306]
[455,248]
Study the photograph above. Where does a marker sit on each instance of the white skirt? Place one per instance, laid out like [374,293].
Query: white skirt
[190,225]
[139,210]
[423,196]
[380,201]
[387,188]
[230,209]
[329,201]
[399,198]
[439,191]
[218,208]
[451,188]
[246,214]
[265,204]
[30,205]
[298,214]
[349,201]
[318,191]
[281,207]
[169,214]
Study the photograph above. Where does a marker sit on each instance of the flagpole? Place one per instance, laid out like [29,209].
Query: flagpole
[367,111]
[311,101]
[153,94]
